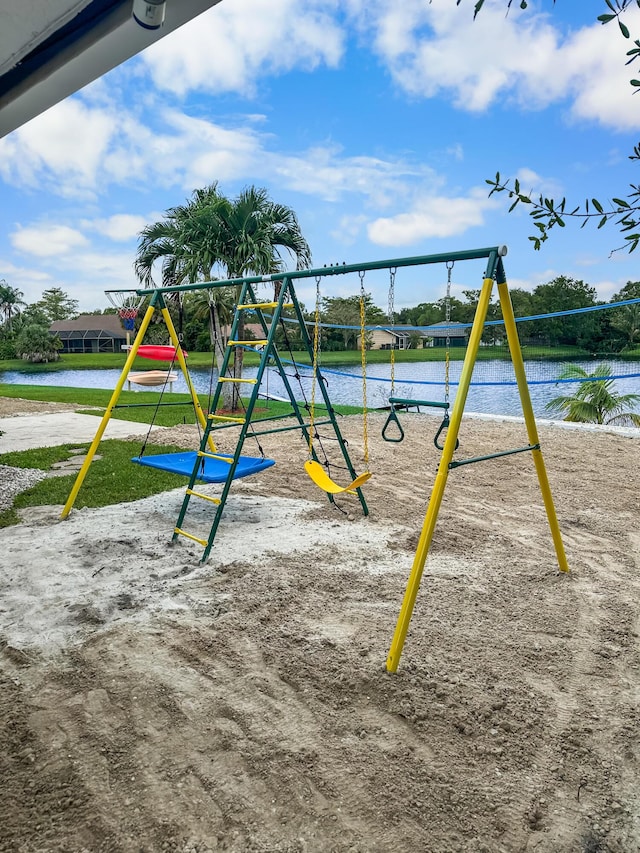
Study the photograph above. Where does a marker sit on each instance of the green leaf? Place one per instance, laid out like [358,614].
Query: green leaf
[624,29]
[602,222]
[597,205]
[477,8]
[621,202]
[635,82]
[604,19]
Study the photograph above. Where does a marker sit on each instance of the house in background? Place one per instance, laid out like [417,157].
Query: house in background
[90,333]
[437,334]
[386,339]
[431,336]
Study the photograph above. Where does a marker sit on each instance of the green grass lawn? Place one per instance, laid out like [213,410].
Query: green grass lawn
[140,406]
[111,479]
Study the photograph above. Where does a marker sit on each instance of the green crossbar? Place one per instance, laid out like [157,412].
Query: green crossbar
[494,455]
[403,401]
[288,428]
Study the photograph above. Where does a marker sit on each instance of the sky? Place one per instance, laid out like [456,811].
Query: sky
[377,122]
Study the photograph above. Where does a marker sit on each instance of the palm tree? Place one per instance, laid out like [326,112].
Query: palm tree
[596,400]
[185,244]
[10,299]
[248,235]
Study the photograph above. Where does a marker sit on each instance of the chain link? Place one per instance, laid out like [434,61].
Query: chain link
[447,314]
[316,350]
[392,321]
[363,359]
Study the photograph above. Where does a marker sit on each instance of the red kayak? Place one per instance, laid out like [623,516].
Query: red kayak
[158,352]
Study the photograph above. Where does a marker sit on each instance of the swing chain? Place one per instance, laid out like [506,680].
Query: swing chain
[392,320]
[363,359]
[447,316]
[314,372]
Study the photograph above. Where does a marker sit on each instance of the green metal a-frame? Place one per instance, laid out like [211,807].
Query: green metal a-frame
[269,315]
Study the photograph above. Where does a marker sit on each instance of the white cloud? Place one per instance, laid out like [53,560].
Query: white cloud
[535,185]
[435,48]
[431,216]
[121,227]
[46,240]
[324,172]
[229,47]
[67,143]
[186,153]
[349,229]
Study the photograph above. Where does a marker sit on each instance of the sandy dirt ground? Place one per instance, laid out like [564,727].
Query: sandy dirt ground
[152,703]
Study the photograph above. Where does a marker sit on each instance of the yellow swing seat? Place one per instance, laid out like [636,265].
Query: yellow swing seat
[323,480]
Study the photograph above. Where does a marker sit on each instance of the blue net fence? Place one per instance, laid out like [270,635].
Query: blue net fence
[602,337]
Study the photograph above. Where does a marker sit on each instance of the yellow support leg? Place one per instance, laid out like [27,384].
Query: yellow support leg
[435,501]
[187,378]
[530,421]
[424,543]
[82,473]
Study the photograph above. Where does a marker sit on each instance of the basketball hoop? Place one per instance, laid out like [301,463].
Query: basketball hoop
[127,304]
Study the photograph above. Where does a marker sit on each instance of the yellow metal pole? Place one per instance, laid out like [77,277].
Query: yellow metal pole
[424,543]
[530,421]
[185,372]
[82,473]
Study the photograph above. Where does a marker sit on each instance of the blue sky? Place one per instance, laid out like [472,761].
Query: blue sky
[377,122]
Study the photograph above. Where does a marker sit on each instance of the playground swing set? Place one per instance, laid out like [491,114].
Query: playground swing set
[210,466]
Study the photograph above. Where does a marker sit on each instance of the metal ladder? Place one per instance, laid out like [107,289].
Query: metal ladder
[249,302]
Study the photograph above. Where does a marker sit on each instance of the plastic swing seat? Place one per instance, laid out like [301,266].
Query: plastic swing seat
[210,470]
[323,480]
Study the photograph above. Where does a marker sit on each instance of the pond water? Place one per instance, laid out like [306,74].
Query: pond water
[422,380]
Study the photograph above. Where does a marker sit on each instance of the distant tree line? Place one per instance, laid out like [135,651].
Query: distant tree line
[24,329]
[613,331]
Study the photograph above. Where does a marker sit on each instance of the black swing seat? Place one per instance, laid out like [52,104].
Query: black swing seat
[209,470]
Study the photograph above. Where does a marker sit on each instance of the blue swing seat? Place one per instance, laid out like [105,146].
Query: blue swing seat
[210,470]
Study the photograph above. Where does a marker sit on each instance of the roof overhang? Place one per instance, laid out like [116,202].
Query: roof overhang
[50,49]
